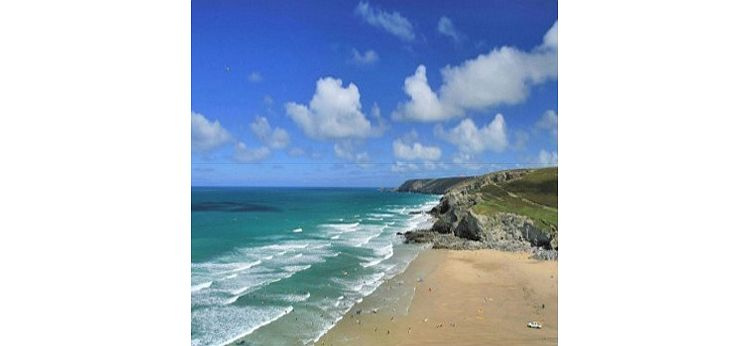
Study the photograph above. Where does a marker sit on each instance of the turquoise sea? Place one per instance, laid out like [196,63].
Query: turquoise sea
[279,266]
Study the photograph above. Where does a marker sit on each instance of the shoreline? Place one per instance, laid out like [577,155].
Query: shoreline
[457,297]
[401,256]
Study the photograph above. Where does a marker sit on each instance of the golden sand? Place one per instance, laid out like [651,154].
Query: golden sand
[482,297]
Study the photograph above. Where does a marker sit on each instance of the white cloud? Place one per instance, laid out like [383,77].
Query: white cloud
[244,154]
[445,26]
[415,151]
[375,112]
[366,58]
[255,77]
[547,158]
[276,138]
[345,149]
[334,112]
[548,122]
[502,76]
[550,38]
[472,140]
[380,123]
[424,104]
[392,22]
[206,135]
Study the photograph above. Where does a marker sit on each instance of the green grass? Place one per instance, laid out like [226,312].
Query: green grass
[539,187]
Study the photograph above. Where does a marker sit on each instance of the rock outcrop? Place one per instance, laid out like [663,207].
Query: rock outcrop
[460,225]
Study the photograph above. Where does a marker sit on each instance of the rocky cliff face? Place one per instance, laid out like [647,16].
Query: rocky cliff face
[431,186]
[490,212]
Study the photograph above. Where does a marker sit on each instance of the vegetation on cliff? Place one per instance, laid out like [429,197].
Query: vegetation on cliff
[533,195]
[512,210]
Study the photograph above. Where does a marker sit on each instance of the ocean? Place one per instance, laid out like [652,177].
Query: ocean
[292,260]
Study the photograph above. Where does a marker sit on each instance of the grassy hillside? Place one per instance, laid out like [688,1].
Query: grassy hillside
[534,195]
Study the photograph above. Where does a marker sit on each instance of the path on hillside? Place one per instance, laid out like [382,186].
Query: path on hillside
[528,200]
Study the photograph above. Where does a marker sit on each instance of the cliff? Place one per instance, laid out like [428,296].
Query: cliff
[507,210]
[437,186]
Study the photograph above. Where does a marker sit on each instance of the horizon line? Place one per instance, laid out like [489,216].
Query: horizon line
[372,163]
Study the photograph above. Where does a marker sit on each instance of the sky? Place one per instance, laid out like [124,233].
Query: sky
[370,93]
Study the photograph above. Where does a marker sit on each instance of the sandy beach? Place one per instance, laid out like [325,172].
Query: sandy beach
[457,297]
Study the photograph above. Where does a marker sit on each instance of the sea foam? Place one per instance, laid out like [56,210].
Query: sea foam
[200,286]
[264,275]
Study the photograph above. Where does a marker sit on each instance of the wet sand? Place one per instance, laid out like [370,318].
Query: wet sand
[449,297]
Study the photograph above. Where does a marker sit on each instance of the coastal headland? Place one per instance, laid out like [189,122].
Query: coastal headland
[491,269]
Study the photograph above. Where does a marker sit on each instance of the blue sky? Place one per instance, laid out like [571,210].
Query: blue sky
[355,93]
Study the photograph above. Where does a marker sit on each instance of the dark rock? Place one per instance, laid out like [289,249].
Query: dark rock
[441,226]
[433,211]
[416,237]
[443,206]
[468,228]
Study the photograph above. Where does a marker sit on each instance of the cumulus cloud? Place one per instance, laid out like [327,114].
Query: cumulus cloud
[392,22]
[206,135]
[409,149]
[547,159]
[424,105]
[366,58]
[548,122]
[333,113]
[346,149]
[502,76]
[472,140]
[445,26]
[244,154]
[550,38]
[276,138]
